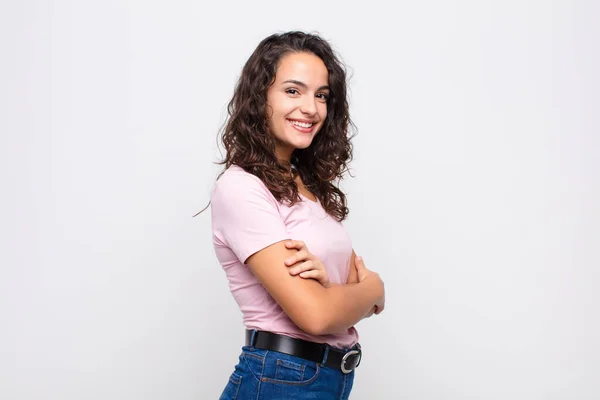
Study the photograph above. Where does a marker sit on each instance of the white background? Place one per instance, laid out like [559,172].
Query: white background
[476,196]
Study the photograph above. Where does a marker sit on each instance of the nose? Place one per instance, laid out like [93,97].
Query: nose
[309,105]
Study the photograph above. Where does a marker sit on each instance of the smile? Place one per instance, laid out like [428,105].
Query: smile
[304,127]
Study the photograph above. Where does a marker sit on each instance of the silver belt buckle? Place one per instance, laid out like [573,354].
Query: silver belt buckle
[348,354]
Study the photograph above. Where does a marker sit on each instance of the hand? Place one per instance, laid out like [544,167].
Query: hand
[365,274]
[305,264]
[371,312]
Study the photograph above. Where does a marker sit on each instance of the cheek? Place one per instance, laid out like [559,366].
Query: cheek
[278,103]
[285,107]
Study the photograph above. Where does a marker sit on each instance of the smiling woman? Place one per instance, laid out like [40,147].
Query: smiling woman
[292,76]
[297,102]
[286,144]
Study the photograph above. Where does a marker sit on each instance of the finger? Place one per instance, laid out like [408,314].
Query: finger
[295,244]
[291,260]
[299,256]
[358,261]
[313,274]
[305,266]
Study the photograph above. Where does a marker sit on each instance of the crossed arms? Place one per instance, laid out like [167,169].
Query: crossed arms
[313,307]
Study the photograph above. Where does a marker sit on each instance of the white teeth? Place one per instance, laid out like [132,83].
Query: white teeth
[302,124]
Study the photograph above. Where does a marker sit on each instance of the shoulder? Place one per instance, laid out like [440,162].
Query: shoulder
[236,179]
[235,184]
[245,215]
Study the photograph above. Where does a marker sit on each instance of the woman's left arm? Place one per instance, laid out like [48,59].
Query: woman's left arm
[312,268]
[353,278]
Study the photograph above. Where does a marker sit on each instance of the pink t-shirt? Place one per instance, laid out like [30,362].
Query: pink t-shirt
[247,218]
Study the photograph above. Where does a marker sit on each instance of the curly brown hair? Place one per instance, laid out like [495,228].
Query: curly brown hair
[249,144]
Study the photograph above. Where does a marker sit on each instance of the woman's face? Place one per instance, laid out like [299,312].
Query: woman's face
[297,102]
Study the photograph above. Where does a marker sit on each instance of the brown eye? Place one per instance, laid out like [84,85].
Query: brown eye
[291,90]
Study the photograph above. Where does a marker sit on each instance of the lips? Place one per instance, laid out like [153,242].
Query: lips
[302,126]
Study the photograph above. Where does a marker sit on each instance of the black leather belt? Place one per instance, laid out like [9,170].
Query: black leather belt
[346,361]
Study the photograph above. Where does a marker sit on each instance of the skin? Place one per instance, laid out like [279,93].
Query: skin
[291,274]
[313,308]
[307,266]
[299,92]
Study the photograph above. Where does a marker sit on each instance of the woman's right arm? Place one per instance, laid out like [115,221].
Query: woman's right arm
[313,308]
[307,266]
[246,219]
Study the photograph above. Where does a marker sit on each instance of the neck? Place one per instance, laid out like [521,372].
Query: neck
[284,154]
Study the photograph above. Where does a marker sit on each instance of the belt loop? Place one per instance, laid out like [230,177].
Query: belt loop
[253,337]
[325,354]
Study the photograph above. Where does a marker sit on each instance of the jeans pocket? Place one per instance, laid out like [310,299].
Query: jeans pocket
[254,362]
[289,371]
[232,388]
[293,373]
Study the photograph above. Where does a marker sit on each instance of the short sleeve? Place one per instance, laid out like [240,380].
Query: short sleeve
[245,216]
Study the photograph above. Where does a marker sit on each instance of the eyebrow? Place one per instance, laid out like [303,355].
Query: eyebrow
[303,85]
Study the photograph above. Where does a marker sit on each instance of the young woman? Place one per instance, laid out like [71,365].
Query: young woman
[287,143]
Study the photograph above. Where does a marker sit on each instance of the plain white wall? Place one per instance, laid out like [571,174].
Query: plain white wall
[476,195]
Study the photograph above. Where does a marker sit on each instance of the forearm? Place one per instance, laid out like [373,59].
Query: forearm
[316,306]
[342,306]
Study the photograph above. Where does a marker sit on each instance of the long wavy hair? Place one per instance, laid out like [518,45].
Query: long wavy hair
[250,145]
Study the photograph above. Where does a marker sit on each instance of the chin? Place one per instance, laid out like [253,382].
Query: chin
[301,142]
[302,146]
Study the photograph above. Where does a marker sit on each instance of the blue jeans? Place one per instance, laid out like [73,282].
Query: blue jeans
[266,375]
